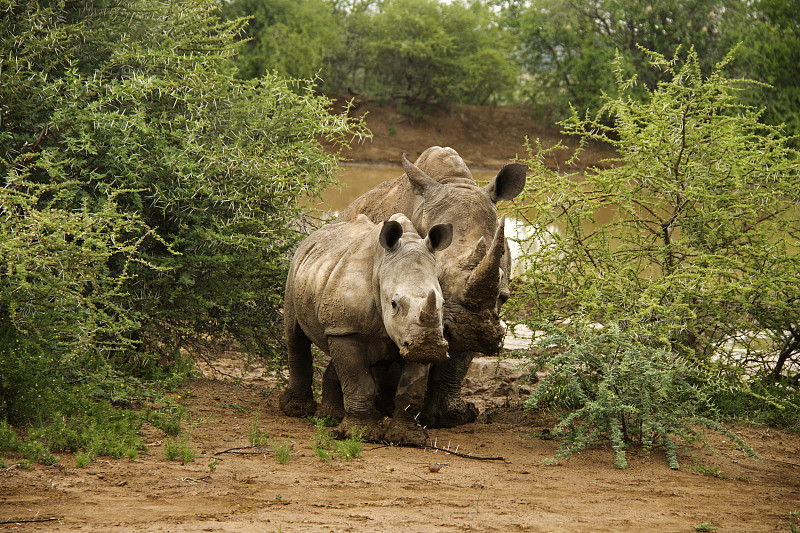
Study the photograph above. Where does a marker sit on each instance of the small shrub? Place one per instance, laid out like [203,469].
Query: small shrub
[325,447]
[705,526]
[609,387]
[283,451]
[175,450]
[82,459]
[257,436]
[351,447]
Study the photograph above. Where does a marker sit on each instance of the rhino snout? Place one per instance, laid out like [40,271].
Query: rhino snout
[427,347]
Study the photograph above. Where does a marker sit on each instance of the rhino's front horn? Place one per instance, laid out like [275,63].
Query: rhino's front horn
[483,284]
[428,315]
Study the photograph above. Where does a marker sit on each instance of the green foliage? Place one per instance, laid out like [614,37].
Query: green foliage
[257,436]
[326,447]
[770,53]
[82,459]
[424,52]
[292,37]
[167,415]
[669,275]
[705,526]
[283,451]
[29,450]
[417,52]
[565,46]
[690,237]
[179,450]
[609,386]
[148,199]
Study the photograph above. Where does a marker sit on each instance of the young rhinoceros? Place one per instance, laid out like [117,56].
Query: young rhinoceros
[365,293]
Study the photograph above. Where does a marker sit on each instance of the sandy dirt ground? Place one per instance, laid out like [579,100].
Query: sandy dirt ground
[503,486]
[500,485]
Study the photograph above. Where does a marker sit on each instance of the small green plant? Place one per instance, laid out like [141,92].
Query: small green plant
[351,447]
[283,451]
[212,466]
[239,408]
[705,526]
[794,516]
[257,436]
[167,417]
[713,471]
[179,450]
[325,447]
[82,459]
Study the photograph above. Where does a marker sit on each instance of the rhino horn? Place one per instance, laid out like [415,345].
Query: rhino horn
[419,180]
[428,315]
[484,283]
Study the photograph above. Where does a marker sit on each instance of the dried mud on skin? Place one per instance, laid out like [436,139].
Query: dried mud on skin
[398,489]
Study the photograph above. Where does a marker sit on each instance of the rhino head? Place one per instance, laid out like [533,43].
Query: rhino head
[473,271]
[411,299]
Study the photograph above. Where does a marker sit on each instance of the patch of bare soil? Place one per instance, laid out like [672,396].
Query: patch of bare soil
[503,486]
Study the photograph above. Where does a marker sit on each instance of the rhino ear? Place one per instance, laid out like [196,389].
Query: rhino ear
[390,235]
[439,237]
[419,180]
[508,183]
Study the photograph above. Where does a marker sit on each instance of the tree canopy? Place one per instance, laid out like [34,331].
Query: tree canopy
[550,54]
[148,198]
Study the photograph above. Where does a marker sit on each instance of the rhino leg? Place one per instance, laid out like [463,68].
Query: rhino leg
[298,398]
[405,428]
[386,375]
[332,401]
[444,407]
[358,389]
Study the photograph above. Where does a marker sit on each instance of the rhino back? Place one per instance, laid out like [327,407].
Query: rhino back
[330,282]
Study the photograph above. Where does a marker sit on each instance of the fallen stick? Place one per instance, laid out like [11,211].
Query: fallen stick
[30,521]
[236,450]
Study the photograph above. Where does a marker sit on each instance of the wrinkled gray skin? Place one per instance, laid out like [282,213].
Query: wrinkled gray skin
[365,293]
[473,271]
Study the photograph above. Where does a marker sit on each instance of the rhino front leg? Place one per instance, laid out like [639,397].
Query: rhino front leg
[332,401]
[298,398]
[444,406]
[411,388]
[358,389]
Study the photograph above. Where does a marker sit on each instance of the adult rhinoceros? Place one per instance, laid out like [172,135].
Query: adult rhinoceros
[473,271]
[365,293]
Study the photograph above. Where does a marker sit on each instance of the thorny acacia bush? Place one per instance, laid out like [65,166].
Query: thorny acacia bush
[148,198]
[689,242]
[622,391]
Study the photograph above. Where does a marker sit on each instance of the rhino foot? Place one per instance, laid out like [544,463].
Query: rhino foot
[406,433]
[327,410]
[369,429]
[299,407]
[451,414]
